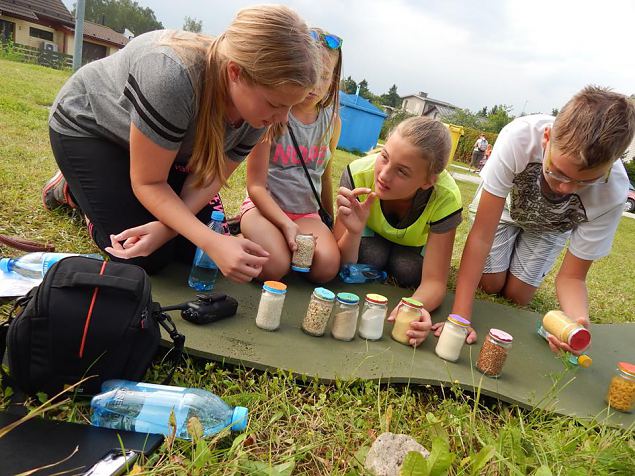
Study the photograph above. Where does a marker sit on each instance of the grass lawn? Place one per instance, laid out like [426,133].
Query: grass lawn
[304,427]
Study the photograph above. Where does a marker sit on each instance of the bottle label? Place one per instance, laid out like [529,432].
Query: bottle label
[154,416]
[165,388]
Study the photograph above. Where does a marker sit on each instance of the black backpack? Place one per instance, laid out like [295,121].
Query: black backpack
[88,318]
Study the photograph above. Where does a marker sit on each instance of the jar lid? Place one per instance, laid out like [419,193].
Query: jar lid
[500,335]
[275,287]
[412,302]
[348,298]
[584,361]
[580,339]
[376,298]
[626,367]
[458,320]
[324,293]
[300,269]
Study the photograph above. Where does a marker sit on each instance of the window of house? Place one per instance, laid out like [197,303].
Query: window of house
[7,31]
[405,104]
[37,33]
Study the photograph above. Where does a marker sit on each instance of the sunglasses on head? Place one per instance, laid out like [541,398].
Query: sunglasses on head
[330,41]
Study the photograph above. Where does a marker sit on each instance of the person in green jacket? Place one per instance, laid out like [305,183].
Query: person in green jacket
[399,206]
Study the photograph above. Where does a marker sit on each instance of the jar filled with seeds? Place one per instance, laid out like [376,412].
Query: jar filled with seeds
[303,255]
[452,337]
[371,324]
[318,312]
[409,310]
[566,330]
[345,316]
[494,353]
[621,394]
[270,307]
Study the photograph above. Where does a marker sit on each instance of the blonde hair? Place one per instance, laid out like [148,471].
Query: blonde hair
[595,127]
[272,46]
[431,137]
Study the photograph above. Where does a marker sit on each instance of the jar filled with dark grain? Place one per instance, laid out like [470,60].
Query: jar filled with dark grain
[494,353]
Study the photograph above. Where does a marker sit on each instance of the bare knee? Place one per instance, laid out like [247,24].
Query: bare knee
[492,283]
[277,267]
[518,291]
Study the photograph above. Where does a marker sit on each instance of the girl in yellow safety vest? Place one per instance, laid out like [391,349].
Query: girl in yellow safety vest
[399,206]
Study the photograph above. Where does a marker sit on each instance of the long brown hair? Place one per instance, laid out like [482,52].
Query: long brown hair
[272,46]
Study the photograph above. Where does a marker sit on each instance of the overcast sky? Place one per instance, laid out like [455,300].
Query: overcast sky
[532,55]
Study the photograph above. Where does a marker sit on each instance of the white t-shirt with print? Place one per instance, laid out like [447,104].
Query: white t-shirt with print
[514,171]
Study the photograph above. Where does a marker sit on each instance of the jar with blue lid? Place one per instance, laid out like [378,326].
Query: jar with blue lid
[345,316]
[303,255]
[270,307]
[318,312]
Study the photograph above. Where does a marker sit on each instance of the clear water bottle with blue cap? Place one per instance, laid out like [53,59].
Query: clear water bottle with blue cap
[345,316]
[204,271]
[146,408]
[35,265]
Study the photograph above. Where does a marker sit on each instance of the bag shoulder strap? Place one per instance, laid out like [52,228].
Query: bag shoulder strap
[306,171]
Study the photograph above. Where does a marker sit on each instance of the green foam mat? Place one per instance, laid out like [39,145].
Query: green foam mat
[532,376]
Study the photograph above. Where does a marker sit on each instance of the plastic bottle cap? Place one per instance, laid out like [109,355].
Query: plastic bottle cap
[218,216]
[626,367]
[376,298]
[584,361]
[4,265]
[458,320]
[348,298]
[239,418]
[412,302]
[501,335]
[324,293]
[580,339]
[300,269]
[275,287]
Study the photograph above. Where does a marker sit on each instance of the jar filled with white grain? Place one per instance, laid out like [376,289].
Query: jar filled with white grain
[371,323]
[345,316]
[270,308]
[318,312]
[303,255]
[452,338]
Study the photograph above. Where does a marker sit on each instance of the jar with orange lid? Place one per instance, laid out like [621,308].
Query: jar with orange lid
[621,393]
[566,330]
[371,324]
[270,307]
[408,310]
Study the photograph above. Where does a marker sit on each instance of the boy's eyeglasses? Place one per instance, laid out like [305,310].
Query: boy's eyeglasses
[330,41]
[558,177]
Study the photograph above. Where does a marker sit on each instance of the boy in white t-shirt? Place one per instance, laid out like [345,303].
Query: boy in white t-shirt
[548,180]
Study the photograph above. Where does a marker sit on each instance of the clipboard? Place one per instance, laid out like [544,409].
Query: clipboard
[76,448]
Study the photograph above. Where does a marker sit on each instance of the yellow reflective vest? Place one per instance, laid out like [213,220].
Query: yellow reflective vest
[444,201]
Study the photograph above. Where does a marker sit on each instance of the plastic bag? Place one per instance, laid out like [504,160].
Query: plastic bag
[361,273]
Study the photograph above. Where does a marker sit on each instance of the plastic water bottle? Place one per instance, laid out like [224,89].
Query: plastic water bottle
[582,360]
[361,273]
[35,265]
[146,408]
[204,271]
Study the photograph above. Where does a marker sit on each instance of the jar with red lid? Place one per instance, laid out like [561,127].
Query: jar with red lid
[494,353]
[621,393]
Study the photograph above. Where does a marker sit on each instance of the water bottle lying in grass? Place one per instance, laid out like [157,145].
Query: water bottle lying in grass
[35,265]
[146,408]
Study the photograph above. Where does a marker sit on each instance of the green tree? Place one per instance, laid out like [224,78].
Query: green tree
[498,118]
[391,98]
[465,118]
[122,14]
[192,24]
[363,89]
[348,85]
[391,122]
[555,111]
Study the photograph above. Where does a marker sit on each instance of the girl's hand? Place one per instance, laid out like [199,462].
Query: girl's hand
[471,336]
[139,241]
[239,259]
[556,346]
[350,212]
[290,231]
[419,330]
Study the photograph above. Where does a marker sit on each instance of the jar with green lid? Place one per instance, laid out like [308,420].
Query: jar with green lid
[408,310]
[371,323]
[494,353]
[452,337]
[621,393]
[318,312]
[345,316]
[270,307]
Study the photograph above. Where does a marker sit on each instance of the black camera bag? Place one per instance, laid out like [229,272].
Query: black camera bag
[88,318]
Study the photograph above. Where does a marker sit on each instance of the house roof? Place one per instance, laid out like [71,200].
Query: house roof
[431,100]
[104,33]
[38,10]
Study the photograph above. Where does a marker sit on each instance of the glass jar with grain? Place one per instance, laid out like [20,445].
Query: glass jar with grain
[494,353]
[409,310]
[318,312]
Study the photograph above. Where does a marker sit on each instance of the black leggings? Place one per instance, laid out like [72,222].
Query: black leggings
[98,175]
[403,263]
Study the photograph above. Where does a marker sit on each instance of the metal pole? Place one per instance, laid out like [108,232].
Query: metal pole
[79,34]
